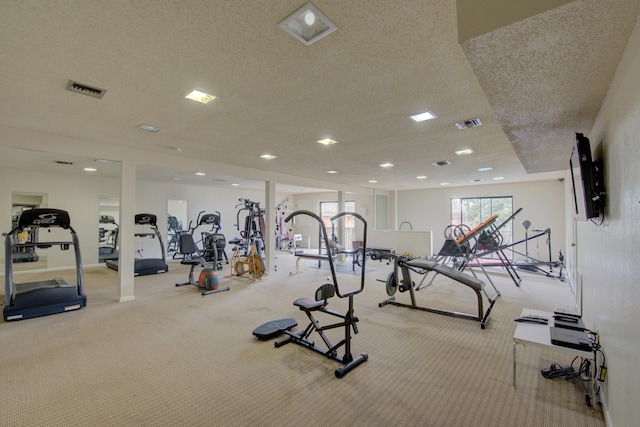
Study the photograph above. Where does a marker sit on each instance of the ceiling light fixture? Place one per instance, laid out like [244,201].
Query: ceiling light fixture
[200,174]
[487,169]
[90,169]
[327,141]
[268,157]
[444,183]
[235,185]
[421,117]
[386,165]
[308,24]
[331,171]
[149,128]
[373,181]
[463,152]
[421,177]
[199,96]
[498,178]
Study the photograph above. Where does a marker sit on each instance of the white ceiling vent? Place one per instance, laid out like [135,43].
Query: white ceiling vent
[85,90]
[441,163]
[471,123]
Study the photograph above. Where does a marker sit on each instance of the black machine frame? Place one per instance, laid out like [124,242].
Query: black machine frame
[34,299]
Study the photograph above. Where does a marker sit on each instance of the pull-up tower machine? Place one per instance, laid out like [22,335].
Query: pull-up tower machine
[318,304]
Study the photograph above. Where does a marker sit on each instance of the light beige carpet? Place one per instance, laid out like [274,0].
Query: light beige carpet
[174,358]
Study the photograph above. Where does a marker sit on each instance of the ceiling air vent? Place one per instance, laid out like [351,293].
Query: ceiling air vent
[471,123]
[441,163]
[63,162]
[85,90]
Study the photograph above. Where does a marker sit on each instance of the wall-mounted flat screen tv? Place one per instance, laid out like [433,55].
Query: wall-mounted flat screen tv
[587,177]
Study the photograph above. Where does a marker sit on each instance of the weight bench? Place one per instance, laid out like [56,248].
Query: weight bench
[320,257]
[422,266]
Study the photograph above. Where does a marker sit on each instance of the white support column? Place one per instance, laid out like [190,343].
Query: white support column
[270,219]
[126,234]
[340,230]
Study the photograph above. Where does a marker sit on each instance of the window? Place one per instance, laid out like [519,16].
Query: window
[329,209]
[473,210]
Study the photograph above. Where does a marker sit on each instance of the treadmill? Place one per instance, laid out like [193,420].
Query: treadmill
[108,236]
[33,299]
[146,266]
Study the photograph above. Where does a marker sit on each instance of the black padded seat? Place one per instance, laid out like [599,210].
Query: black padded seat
[447,271]
[308,303]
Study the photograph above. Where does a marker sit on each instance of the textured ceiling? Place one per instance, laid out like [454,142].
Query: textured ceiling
[532,82]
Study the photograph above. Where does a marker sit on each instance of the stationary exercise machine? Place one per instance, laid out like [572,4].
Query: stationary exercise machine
[318,304]
[285,240]
[146,266]
[174,229]
[208,281]
[33,299]
[108,245]
[247,254]
[251,217]
[250,265]
[400,279]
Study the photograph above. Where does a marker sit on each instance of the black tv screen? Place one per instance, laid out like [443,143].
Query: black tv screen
[588,191]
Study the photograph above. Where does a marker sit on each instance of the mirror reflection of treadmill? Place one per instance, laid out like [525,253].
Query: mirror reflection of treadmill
[147,266]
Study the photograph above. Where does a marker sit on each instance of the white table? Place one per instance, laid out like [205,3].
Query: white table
[539,335]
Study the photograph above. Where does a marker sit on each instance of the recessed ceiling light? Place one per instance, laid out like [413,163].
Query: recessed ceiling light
[308,24]
[487,169]
[498,178]
[268,157]
[465,151]
[200,174]
[235,185]
[372,181]
[386,165]
[444,183]
[90,169]
[421,117]
[199,96]
[103,161]
[327,141]
[331,171]
[149,128]
[421,177]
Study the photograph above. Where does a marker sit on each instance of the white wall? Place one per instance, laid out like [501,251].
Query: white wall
[80,195]
[606,254]
[542,203]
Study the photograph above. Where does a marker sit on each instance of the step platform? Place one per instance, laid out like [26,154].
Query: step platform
[274,328]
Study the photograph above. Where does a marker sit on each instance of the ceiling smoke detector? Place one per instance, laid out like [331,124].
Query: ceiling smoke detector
[471,123]
[441,163]
[85,90]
